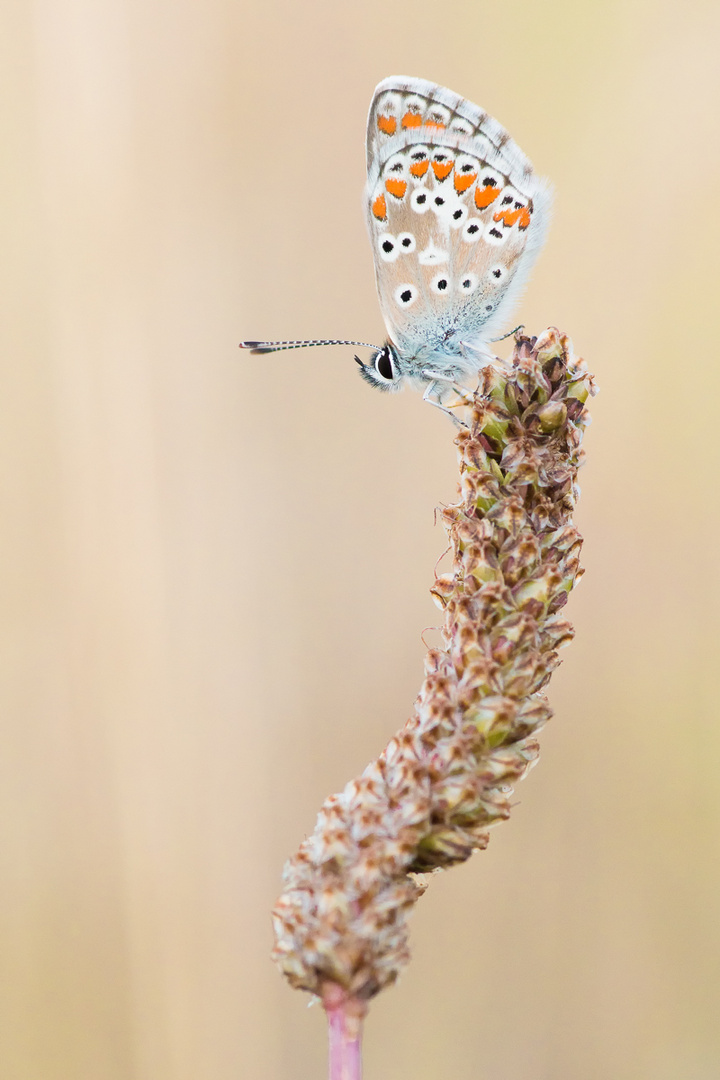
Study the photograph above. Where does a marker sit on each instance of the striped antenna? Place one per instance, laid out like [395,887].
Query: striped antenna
[258,347]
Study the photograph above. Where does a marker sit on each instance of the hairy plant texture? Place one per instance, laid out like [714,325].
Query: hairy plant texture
[447,777]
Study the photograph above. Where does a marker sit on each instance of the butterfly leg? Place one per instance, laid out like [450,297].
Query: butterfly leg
[432,388]
[480,353]
[449,384]
[477,353]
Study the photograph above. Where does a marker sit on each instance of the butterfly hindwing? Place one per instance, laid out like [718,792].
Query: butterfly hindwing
[456,216]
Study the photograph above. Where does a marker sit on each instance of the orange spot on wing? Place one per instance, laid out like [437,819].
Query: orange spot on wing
[464,180]
[379,208]
[509,217]
[485,195]
[524,219]
[434,124]
[419,168]
[411,120]
[442,168]
[396,187]
[387,124]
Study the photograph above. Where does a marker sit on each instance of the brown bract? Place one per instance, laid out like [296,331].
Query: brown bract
[448,775]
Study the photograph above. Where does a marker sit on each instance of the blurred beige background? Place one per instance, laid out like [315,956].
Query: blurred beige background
[215,568]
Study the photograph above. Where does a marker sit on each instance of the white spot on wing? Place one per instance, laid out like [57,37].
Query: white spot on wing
[458,215]
[491,178]
[467,284]
[508,197]
[389,104]
[388,247]
[494,234]
[466,163]
[396,168]
[463,126]
[406,243]
[497,272]
[414,103]
[482,148]
[472,230]
[420,200]
[440,284]
[405,295]
[438,114]
[432,255]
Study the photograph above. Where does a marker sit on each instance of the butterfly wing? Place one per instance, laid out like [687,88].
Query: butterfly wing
[456,217]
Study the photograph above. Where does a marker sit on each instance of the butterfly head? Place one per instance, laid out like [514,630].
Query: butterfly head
[384,370]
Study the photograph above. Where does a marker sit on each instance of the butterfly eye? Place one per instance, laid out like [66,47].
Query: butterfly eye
[384,365]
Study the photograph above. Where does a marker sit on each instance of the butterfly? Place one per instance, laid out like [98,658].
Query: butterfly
[456,217]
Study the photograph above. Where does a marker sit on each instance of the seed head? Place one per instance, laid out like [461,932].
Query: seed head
[447,777]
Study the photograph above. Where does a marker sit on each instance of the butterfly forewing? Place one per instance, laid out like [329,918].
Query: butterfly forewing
[455,212]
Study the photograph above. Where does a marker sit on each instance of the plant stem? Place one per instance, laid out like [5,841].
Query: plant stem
[345,1015]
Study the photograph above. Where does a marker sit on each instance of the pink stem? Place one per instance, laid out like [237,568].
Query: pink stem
[345,1016]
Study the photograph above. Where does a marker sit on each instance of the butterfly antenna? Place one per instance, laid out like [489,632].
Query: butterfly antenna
[258,347]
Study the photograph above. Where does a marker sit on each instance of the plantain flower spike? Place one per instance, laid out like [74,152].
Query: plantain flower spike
[428,802]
